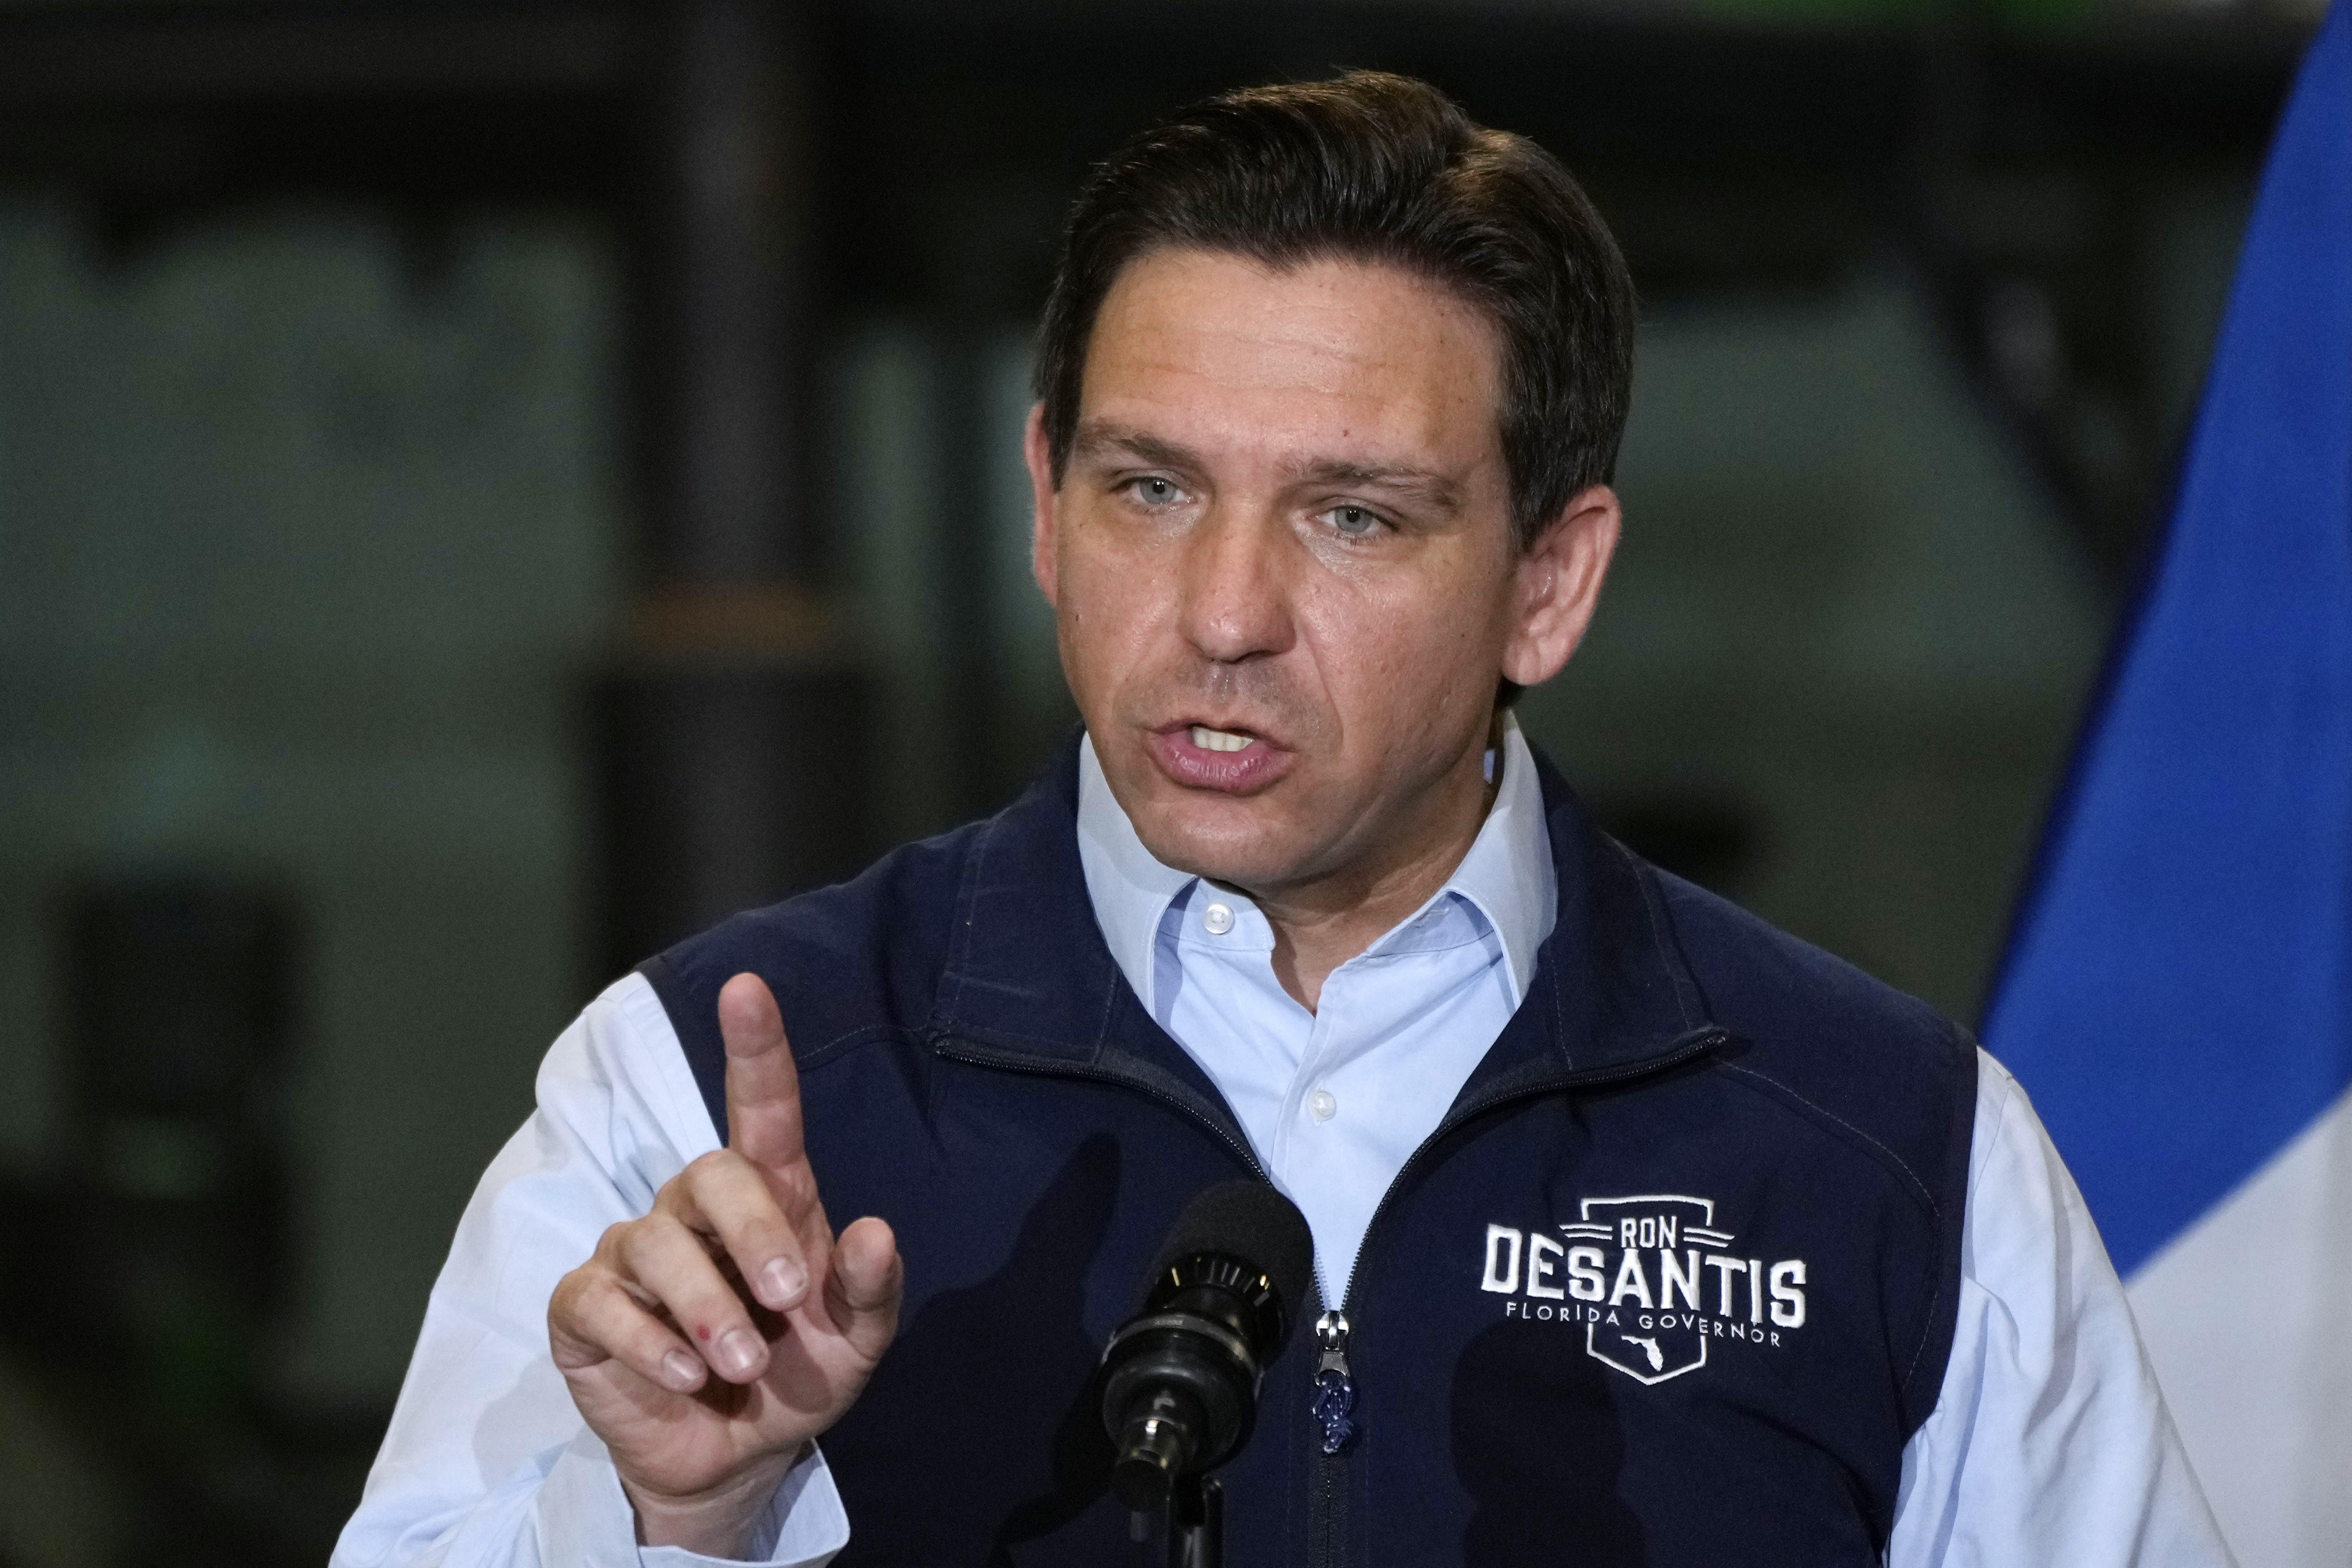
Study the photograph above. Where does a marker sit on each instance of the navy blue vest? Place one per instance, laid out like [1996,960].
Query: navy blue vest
[1672,1285]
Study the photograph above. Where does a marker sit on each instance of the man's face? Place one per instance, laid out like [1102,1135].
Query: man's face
[1282,566]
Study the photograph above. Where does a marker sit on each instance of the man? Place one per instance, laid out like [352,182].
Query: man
[1644,1233]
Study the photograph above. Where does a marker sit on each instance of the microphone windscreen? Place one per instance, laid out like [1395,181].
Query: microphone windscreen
[1250,1221]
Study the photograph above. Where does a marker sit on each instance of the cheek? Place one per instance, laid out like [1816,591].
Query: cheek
[1409,648]
[1107,605]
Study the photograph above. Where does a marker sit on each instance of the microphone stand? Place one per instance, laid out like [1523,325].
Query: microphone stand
[1196,1523]
[1192,1522]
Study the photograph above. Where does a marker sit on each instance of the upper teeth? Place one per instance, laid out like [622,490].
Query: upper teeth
[1209,740]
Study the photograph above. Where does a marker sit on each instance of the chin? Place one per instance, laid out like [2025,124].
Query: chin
[1211,843]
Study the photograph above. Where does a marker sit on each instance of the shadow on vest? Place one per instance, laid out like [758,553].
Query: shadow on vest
[937,1461]
[1537,1446]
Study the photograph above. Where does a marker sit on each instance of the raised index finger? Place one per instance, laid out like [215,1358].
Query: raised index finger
[763,1087]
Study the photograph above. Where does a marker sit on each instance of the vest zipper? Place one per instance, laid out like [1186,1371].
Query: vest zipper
[1334,1398]
[1327,1531]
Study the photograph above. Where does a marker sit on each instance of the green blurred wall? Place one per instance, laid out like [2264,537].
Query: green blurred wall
[306,535]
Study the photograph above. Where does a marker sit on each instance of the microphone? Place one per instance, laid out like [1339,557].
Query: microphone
[1182,1376]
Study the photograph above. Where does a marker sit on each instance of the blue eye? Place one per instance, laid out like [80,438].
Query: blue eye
[1155,492]
[1353,522]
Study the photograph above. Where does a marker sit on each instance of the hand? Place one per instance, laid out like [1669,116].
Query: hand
[710,1342]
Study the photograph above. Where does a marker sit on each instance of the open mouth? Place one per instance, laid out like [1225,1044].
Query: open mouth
[1227,761]
[1209,740]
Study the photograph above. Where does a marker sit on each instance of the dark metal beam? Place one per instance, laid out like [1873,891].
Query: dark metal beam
[157,55]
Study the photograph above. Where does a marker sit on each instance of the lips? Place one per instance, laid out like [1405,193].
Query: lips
[1230,760]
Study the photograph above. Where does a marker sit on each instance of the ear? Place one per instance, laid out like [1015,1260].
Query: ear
[1557,585]
[1042,502]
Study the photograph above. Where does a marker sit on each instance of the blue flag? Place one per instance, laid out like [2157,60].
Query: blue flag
[2177,999]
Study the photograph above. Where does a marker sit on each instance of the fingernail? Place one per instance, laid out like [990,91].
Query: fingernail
[736,1352]
[781,1281]
[683,1371]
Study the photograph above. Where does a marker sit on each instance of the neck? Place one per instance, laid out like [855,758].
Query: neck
[1321,923]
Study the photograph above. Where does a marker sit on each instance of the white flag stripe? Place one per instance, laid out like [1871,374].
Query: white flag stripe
[2241,1315]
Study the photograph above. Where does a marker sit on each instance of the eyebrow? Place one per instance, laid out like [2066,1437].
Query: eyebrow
[1095,442]
[1427,483]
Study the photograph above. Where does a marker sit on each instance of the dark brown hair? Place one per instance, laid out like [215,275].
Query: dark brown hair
[1374,167]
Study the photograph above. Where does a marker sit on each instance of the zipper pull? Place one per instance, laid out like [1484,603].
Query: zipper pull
[1334,1402]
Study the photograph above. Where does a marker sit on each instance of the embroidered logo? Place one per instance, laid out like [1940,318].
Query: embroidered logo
[1652,1280]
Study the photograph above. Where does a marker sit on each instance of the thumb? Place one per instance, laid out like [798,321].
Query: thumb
[863,1290]
[763,1085]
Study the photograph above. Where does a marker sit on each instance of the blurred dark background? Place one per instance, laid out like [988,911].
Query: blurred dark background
[488,488]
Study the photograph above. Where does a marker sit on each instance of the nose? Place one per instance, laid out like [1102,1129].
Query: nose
[1236,603]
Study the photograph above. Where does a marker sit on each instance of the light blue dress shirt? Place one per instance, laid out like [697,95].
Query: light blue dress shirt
[2050,1444]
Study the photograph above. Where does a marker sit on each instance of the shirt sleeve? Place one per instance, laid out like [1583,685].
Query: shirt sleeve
[2050,1442]
[487,1463]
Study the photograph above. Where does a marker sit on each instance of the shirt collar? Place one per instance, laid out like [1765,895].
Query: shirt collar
[1508,874]
[1130,889]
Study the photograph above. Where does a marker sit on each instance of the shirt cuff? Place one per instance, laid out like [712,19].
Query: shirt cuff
[584,1517]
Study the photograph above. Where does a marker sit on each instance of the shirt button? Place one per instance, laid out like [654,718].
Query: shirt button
[1321,1106]
[1218,918]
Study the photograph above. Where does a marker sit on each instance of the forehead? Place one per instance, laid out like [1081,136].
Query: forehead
[1334,354]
